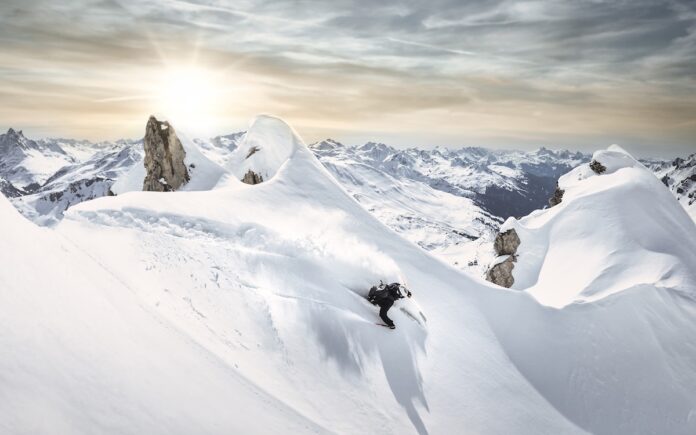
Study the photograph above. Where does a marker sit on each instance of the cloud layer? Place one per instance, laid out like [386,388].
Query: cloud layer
[499,73]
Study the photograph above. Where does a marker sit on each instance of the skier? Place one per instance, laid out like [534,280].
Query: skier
[385,295]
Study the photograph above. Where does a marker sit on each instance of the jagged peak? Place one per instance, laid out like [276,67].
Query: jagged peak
[14,133]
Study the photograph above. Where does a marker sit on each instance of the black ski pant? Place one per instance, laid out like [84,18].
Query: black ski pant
[384,306]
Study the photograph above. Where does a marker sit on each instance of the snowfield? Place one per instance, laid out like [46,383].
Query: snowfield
[240,309]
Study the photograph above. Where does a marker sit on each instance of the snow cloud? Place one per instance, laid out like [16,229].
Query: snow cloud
[497,73]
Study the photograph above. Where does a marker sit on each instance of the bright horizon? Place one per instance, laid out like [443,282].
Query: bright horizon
[513,75]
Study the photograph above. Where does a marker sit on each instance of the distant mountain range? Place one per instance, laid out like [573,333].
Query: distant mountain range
[444,200]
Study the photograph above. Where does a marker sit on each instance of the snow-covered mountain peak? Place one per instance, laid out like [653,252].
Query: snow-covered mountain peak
[267,145]
[326,145]
[376,151]
[15,139]
[543,151]
[11,132]
[615,158]
[27,163]
[615,229]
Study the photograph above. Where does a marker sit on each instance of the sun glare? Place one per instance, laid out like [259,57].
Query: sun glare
[189,97]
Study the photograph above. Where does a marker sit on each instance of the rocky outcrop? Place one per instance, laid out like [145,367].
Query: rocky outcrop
[9,190]
[505,245]
[501,273]
[252,151]
[597,167]
[252,177]
[164,158]
[557,196]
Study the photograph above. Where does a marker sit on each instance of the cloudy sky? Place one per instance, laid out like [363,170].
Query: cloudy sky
[516,74]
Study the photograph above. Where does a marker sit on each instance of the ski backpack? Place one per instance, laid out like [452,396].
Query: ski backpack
[382,291]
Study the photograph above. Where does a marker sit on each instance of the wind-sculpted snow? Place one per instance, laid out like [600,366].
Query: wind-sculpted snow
[357,264]
[82,353]
[624,224]
[264,148]
[618,255]
[241,310]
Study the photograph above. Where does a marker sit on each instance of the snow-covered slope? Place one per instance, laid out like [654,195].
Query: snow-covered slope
[270,280]
[615,263]
[219,301]
[623,223]
[82,353]
[680,176]
[9,190]
[82,150]
[438,221]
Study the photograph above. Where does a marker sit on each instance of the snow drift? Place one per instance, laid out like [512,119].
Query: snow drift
[613,231]
[217,305]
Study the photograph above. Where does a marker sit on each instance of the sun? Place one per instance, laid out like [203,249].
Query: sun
[189,97]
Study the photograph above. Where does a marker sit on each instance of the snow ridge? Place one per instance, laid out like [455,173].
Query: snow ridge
[625,225]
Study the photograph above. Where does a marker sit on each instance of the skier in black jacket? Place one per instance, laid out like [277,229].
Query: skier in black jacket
[385,296]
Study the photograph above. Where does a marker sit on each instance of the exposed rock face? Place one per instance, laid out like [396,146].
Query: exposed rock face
[252,151]
[252,177]
[557,197]
[9,190]
[164,158]
[506,244]
[597,167]
[501,273]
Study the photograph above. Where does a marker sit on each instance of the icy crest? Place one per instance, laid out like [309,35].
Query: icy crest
[267,145]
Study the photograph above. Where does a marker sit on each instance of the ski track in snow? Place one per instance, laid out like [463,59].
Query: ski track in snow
[253,388]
